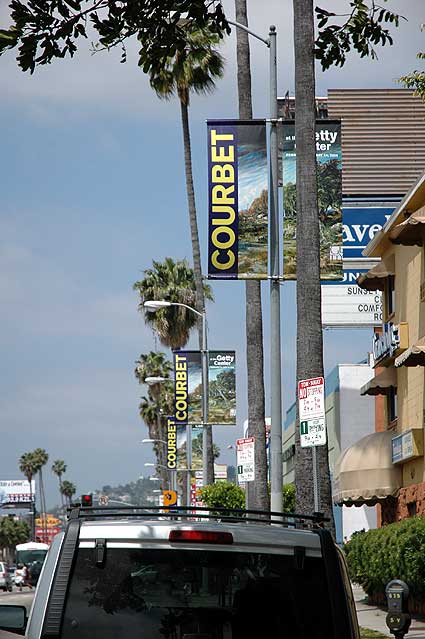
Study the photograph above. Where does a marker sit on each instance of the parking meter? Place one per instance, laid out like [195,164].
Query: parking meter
[398,618]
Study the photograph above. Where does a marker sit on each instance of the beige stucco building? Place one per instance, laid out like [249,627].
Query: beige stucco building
[389,468]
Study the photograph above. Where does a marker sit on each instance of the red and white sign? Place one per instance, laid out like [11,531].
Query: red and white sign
[245,455]
[311,398]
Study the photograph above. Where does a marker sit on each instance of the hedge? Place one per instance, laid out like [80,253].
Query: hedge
[396,551]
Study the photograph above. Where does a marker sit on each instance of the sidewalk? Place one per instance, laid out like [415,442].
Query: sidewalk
[374,618]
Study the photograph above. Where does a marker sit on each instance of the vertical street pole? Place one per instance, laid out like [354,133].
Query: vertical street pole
[205,388]
[275,344]
[316,483]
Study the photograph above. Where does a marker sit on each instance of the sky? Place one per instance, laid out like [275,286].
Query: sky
[92,190]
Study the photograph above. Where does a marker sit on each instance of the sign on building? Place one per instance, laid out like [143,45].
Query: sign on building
[311,408]
[245,459]
[344,304]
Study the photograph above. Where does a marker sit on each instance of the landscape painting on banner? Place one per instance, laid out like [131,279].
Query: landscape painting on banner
[221,386]
[329,191]
[238,199]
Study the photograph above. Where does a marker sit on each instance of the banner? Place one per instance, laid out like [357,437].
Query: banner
[221,387]
[238,199]
[171,444]
[16,491]
[329,192]
[196,448]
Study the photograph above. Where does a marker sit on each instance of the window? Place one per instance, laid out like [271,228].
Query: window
[390,290]
[182,594]
[392,405]
[411,507]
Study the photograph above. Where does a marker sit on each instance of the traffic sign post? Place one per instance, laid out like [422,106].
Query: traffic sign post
[311,413]
[245,459]
[169,497]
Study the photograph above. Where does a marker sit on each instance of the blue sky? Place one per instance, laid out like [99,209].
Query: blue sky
[93,190]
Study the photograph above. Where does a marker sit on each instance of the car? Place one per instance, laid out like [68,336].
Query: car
[5,577]
[192,575]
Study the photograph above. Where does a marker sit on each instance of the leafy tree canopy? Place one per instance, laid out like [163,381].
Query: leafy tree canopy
[13,531]
[47,29]
[416,79]
[223,494]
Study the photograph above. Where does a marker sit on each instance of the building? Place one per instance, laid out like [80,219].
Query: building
[349,417]
[396,474]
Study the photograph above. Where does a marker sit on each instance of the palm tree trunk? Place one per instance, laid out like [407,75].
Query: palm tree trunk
[197,268]
[32,509]
[257,494]
[42,506]
[309,323]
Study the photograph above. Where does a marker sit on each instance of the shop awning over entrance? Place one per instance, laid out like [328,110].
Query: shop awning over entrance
[365,474]
[374,279]
[412,356]
[411,232]
[381,384]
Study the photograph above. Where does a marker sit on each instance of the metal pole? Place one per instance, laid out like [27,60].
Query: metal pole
[188,462]
[316,483]
[205,388]
[275,346]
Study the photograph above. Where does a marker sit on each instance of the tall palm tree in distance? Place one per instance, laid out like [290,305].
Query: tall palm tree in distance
[41,458]
[257,494]
[173,281]
[28,466]
[59,468]
[68,489]
[192,70]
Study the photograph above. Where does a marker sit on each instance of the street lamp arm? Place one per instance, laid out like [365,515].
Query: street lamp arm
[244,28]
[188,307]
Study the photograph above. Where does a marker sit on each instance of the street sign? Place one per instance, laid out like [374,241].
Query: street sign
[311,407]
[103,500]
[311,398]
[313,432]
[245,451]
[169,497]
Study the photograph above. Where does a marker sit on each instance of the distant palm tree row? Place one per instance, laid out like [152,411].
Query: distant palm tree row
[30,464]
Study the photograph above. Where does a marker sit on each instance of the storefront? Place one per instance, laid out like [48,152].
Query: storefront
[388,467]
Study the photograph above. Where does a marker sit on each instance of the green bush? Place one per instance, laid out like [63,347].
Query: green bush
[396,551]
[223,494]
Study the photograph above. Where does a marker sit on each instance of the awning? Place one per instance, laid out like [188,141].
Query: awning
[381,383]
[365,474]
[374,279]
[412,356]
[411,232]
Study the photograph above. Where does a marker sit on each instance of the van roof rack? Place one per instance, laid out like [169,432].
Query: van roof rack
[233,515]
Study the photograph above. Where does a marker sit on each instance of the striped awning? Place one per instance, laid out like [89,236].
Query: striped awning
[381,384]
[365,474]
[374,280]
[412,356]
[411,232]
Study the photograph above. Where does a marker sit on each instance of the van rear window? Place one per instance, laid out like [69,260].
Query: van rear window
[196,594]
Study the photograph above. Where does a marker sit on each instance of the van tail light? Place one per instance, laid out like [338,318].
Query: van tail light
[201,536]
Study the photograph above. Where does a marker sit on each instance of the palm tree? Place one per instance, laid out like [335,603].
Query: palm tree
[193,69]
[257,493]
[59,468]
[28,466]
[174,282]
[309,324]
[41,458]
[68,489]
[153,364]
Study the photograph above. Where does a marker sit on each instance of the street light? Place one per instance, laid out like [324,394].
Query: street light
[152,478]
[274,276]
[155,305]
[173,482]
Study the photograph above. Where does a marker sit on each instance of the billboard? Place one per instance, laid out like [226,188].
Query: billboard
[16,491]
[329,196]
[196,448]
[221,387]
[171,444]
[238,199]
[361,223]
[345,304]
